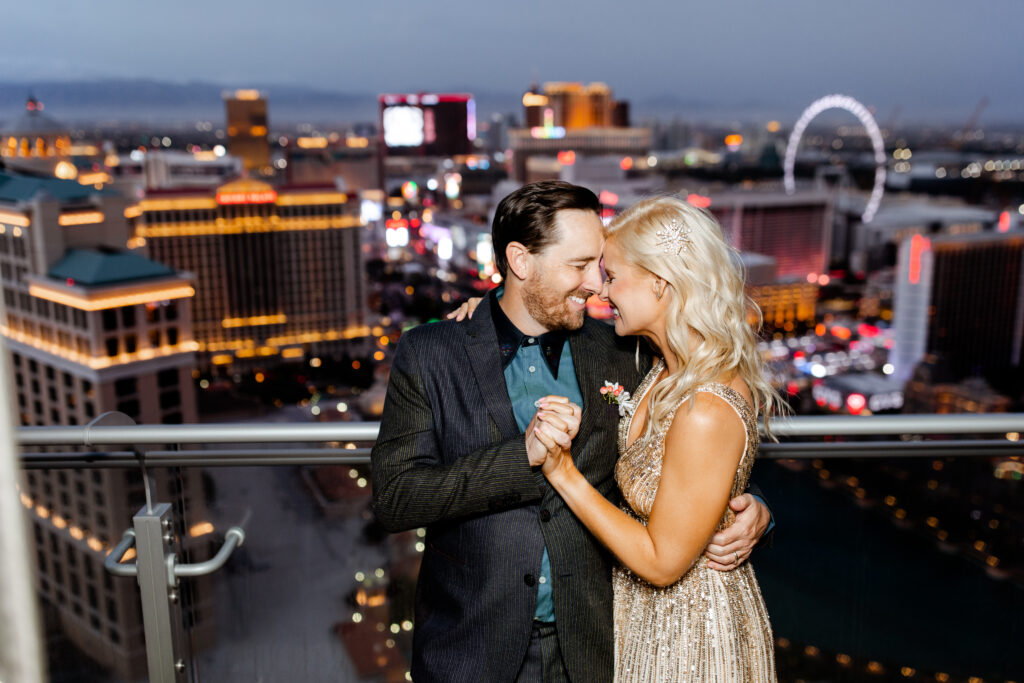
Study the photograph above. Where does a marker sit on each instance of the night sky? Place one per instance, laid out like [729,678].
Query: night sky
[929,57]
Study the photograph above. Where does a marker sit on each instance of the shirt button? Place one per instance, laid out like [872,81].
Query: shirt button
[529,580]
[542,579]
[533,368]
[545,515]
[531,340]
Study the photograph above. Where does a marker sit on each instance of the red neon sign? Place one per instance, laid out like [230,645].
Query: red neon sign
[262,197]
[700,201]
[1004,221]
[918,245]
[856,403]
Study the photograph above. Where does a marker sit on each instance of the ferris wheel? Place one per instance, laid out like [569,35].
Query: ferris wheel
[851,105]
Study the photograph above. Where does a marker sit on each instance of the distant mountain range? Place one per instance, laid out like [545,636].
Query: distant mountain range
[152,101]
[147,101]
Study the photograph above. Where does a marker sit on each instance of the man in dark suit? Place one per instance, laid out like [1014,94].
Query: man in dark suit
[512,587]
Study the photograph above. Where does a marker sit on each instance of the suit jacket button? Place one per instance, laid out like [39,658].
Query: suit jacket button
[529,580]
[545,515]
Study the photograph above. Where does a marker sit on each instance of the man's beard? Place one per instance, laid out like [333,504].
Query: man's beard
[551,309]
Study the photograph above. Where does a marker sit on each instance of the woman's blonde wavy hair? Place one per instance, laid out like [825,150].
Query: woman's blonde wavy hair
[707,327]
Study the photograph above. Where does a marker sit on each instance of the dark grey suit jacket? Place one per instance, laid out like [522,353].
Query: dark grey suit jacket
[451,458]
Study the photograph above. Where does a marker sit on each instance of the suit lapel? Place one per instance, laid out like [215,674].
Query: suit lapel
[485,360]
[586,361]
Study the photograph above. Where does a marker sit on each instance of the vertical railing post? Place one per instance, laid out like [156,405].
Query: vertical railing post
[161,604]
[21,659]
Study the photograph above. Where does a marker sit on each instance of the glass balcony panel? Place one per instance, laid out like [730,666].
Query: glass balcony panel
[881,569]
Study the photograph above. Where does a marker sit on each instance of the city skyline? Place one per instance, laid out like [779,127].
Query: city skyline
[736,56]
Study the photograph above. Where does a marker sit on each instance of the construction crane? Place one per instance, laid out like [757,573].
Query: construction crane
[963,135]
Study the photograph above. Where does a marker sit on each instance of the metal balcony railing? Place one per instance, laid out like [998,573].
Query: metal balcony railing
[349,443]
[111,441]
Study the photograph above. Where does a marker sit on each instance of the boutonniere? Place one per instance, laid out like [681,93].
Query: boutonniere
[614,393]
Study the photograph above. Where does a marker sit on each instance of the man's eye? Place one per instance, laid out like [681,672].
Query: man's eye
[583,267]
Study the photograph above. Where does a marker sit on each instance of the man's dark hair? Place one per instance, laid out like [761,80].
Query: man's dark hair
[527,216]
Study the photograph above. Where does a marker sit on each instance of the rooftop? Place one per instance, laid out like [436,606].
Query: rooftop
[34,122]
[23,188]
[106,267]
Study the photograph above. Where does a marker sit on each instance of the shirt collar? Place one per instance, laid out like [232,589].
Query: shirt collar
[510,338]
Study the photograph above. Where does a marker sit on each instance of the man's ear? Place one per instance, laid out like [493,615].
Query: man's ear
[520,260]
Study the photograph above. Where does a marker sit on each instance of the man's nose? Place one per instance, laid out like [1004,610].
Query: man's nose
[593,282]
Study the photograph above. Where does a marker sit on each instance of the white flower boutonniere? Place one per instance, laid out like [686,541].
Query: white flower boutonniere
[614,393]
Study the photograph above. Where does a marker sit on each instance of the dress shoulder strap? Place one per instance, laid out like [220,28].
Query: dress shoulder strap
[733,398]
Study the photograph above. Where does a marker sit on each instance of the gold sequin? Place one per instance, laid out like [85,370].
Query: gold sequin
[710,625]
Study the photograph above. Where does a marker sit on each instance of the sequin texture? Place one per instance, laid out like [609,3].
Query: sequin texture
[709,625]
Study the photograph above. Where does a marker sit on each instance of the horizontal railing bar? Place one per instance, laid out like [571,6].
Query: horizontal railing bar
[197,458]
[803,425]
[878,425]
[234,432]
[361,456]
[892,449]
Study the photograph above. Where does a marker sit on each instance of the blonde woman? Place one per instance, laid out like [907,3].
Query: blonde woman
[687,442]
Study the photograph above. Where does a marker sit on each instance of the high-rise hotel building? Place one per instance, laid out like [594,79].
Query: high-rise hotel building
[248,132]
[795,230]
[960,299]
[278,272]
[93,327]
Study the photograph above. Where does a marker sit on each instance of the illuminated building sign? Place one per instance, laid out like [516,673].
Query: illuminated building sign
[258,197]
[80,218]
[549,131]
[918,245]
[427,123]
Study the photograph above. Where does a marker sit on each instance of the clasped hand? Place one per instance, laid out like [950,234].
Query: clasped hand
[551,431]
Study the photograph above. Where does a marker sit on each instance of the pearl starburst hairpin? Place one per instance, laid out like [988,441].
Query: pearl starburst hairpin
[675,239]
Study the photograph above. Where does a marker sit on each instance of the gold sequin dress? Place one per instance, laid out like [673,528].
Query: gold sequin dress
[710,625]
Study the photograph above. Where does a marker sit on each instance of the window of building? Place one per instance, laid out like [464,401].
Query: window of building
[126,387]
[171,311]
[111,346]
[172,419]
[170,399]
[130,343]
[128,316]
[154,338]
[167,378]
[172,335]
[90,409]
[110,320]
[130,408]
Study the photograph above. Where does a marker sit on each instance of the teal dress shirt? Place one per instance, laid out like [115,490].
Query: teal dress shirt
[535,367]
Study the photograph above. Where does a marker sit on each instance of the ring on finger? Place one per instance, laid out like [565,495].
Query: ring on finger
[736,557]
